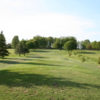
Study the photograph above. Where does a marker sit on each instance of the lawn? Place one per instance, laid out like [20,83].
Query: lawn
[50,75]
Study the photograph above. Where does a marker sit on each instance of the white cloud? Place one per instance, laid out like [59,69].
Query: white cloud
[13,22]
[44,24]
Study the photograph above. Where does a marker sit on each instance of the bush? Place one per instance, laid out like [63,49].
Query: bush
[83,59]
[69,54]
[99,60]
[75,53]
[80,55]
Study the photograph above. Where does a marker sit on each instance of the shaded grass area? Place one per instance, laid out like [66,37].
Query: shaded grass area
[49,75]
[15,79]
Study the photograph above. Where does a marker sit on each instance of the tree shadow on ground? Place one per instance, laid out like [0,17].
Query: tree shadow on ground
[86,52]
[29,63]
[9,62]
[41,51]
[15,79]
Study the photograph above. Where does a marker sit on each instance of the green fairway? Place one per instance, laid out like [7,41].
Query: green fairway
[50,75]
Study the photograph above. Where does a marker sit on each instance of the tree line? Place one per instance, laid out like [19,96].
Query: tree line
[39,42]
[86,44]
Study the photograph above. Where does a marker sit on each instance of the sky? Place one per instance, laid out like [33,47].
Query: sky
[56,18]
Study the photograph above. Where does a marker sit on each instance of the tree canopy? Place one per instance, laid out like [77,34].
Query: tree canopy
[69,46]
[15,41]
[21,49]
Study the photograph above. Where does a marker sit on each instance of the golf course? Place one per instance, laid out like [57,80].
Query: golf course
[50,74]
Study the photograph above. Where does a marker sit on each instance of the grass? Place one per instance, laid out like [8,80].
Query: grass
[50,75]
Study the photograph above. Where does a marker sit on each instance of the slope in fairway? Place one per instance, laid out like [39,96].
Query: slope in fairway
[49,75]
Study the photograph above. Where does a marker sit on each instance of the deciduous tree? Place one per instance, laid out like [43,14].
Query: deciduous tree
[15,41]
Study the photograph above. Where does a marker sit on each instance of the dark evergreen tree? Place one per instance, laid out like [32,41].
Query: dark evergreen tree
[15,41]
[3,48]
[21,49]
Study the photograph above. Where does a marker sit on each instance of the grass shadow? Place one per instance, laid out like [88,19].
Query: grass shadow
[29,63]
[41,50]
[15,79]
[86,52]
[9,62]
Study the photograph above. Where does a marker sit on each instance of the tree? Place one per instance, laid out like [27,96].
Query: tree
[3,48]
[98,45]
[89,46]
[8,46]
[85,43]
[57,44]
[69,46]
[36,44]
[63,40]
[40,42]
[15,41]
[94,45]
[30,44]
[50,41]
[21,49]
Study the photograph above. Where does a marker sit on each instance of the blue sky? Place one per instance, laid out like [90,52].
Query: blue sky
[28,18]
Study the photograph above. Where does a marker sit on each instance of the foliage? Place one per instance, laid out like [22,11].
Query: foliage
[85,43]
[30,44]
[80,55]
[8,46]
[98,45]
[94,45]
[3,48]
[57,44]
[75,53]
[36,44]
[69,46]
[40,42]
[15,41]
[50,41]
[66,39]
[89,46]
[83,59]
[99,60]
[21,49]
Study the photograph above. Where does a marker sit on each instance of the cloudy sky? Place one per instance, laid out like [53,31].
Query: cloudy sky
[28,18]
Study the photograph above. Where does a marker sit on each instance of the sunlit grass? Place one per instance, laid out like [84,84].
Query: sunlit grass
[50,75]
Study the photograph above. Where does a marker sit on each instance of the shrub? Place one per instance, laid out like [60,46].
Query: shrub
[69,54]
[83,59]
[99,60]
[80,55]
[75,53]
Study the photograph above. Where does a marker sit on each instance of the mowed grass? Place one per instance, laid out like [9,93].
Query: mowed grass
[50,75]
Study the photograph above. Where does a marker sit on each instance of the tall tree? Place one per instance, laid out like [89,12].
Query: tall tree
[15,41]
[3,48]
